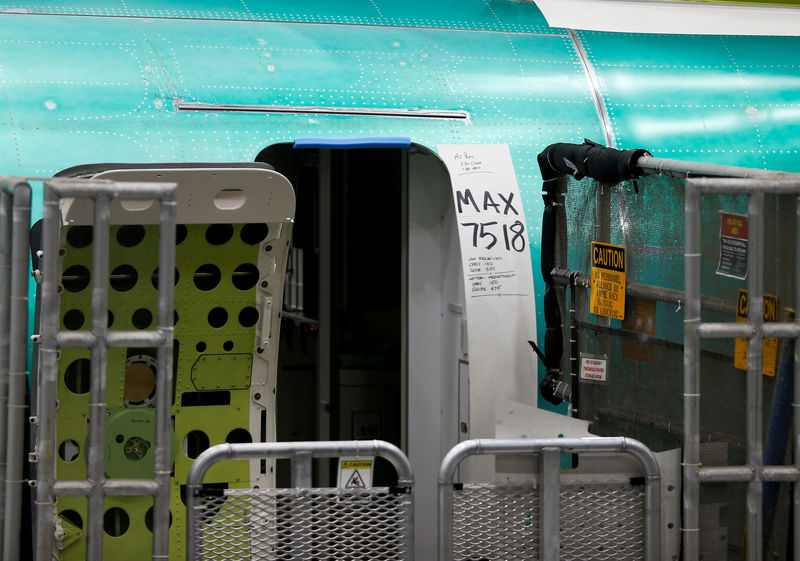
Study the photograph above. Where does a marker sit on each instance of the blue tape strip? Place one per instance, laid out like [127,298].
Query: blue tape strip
[357,142]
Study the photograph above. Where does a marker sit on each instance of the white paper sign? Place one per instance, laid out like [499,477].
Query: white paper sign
[491,222]
[498,279]
[593,368]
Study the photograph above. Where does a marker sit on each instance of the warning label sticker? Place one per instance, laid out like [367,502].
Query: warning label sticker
[593,368]
[355,473]
[770,344]
[608,280]
[732,245]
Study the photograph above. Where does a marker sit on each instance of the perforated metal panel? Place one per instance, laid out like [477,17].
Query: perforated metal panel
[302,524]
[503,522]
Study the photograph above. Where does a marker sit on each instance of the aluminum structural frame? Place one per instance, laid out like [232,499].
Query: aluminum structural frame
[98,340]
[550,450]
[754,472]
[301,454]
[16,219]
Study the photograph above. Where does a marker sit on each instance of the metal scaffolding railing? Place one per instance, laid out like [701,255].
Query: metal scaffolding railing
[549,516]
[754,472]
[303,523]
[16,204]
[95,487]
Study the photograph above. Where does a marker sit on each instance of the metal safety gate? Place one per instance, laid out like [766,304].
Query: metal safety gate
[96,486]
[754,330]
[549,520]
[300,523]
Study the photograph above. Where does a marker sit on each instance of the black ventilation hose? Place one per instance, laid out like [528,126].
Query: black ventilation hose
[589,159]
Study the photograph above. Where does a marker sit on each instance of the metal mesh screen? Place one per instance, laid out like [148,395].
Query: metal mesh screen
[598,522]
[299,524]
[642,397]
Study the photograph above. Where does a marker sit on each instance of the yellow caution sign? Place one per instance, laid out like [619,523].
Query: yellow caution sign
[357,464]
[770,344]
[607,296]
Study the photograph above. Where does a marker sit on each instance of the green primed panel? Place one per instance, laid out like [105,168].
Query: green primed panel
[225,352]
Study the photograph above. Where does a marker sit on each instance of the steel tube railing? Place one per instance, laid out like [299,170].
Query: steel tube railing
[48,377]
[691,383]
[163,436]
[550,447]
[796,399]
[95,449]
[17,368]
[301,451]
[5,312]
[96,487]
[755,351]
[755,473]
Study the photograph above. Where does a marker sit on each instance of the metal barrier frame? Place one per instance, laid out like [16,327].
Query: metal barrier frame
[754,472]
[16,204]
[301,454]
[98,339]
[550,450]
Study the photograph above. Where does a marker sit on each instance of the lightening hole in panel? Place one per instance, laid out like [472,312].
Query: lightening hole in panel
[142,318]
[238,436]
[110,318]
[116,522]
[254,233]
[201,347]
[180,233]
[154,277]
[248,317]
[123,278]
[76,278]
[218,234]
[130,236]
[69,450]
[227,346]
[76,376]
[174,317]
[207,277]
[79,236]
[73,319]
[148,519]
[245,276]
[72,517]
[195,443]
[217,317]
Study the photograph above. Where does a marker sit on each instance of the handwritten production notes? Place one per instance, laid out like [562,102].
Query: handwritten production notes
[491,222]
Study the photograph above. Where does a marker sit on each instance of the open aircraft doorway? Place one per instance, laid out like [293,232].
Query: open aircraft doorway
[372,333]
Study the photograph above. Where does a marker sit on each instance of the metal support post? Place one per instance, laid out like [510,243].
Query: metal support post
[755,317]
[17,369]
[5,311]
[691,379]
[550,511]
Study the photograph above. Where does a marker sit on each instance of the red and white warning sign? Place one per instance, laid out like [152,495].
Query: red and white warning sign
[355,473]
[593,368]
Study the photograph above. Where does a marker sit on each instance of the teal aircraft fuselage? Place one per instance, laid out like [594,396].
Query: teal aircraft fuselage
[93,81]
[220,81]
